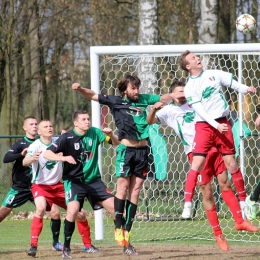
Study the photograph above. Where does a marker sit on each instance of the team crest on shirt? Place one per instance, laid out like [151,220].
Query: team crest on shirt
[76,146]
[90,142]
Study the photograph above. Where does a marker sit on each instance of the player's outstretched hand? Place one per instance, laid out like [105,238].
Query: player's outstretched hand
[251,90]
[222,128]
[257,121]
[108,131]
[75,86]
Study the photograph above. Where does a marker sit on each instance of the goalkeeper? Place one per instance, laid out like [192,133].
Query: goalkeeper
[180,116]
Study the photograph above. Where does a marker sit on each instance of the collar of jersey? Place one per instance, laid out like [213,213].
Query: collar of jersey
[76,133]
[49,144]
[29,139]
[194,77]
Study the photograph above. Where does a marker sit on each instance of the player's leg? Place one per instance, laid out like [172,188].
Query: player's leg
[232,202]
[74,202]
[14,199]
[123,158]
[211,213]
[227,148]
[4,212]
[55,225]
[190,185]
[84,231]
[37,224]
[251,203]
[140,162]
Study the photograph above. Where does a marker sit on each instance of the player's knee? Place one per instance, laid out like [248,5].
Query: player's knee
[206,191]
[4,212]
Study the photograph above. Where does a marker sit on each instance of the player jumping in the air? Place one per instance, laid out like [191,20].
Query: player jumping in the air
[181,117]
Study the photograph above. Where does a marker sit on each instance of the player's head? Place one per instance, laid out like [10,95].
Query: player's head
[30,126]
[178,87]
[45,128]
[81,121]
[190,62]
[129,86]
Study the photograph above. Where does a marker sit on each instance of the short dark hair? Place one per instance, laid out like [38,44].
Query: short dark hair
[122,83]
[77,113]
[175,84]
[182,60]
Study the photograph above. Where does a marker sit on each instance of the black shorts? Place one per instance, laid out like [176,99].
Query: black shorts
[94,192]
[131,161]
[17,197]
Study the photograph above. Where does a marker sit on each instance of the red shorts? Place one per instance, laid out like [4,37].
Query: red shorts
[207,136]
[54,194]
[213,166]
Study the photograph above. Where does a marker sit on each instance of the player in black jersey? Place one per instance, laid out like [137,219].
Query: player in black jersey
[129,111]
[81,175]
[20,192]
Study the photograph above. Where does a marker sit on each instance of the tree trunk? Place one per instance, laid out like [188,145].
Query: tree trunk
[209,21]
[36,86]
[148,35]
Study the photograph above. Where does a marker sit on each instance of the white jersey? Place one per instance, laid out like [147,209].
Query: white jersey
[44,171]
[182,120]
[206,88]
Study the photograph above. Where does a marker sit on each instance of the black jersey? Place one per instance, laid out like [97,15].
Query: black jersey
[130,117]
[21,176]
[84,149]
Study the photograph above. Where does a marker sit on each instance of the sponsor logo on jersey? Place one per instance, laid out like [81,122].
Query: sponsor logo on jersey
[76,146]
[135,111]
[69,137]
[207,93]
[124,103]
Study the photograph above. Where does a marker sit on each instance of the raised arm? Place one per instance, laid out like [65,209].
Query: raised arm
[151,118]
[85,92]
[170,97]
[109,132]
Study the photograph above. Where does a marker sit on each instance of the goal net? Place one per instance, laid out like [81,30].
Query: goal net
[162,196]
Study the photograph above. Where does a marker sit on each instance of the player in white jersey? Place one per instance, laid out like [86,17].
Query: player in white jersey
[204,93]
[180,116]
[47,188]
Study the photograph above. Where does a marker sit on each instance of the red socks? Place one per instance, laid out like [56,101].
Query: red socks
[84,231]
[231,200]
[239,184]
[36,229]
[190,185]
[213,220]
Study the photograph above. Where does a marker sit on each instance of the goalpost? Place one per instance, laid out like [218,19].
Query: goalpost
[166,198]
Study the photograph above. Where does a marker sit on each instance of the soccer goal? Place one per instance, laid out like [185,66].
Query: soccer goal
[161,201]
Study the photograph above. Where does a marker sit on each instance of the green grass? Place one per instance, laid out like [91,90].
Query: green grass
[15,234]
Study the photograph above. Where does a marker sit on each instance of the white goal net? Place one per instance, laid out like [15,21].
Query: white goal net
[161,202]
